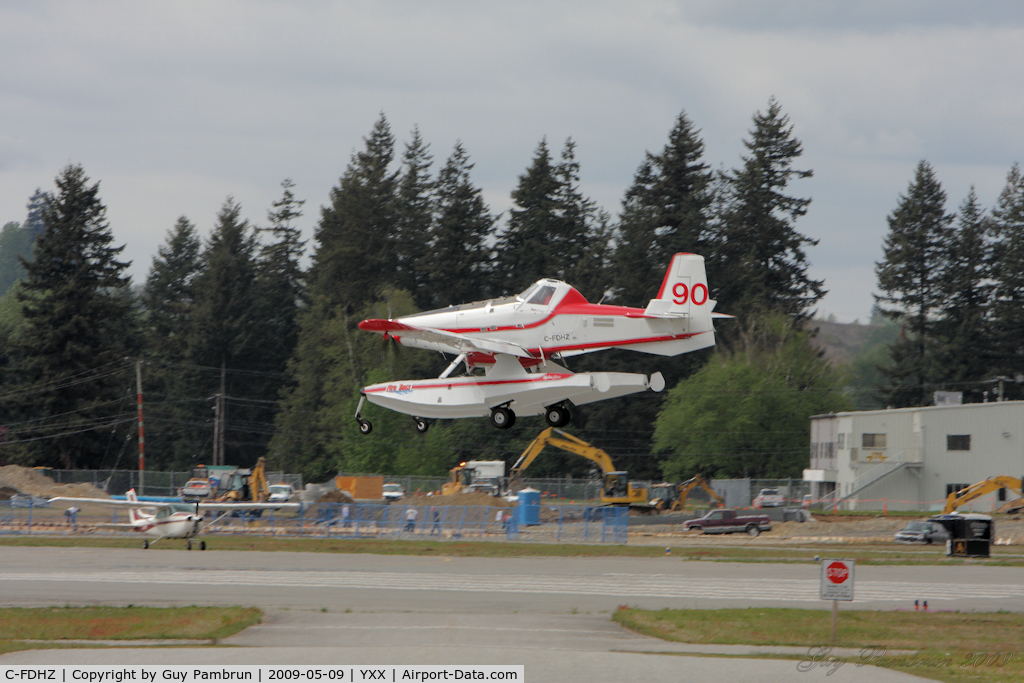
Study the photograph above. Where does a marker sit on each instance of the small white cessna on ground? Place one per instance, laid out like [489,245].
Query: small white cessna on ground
[169,520]
[514,339]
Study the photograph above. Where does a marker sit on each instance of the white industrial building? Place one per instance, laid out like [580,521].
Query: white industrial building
[911,458]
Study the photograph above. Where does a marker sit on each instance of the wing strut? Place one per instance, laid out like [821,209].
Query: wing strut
[451,368]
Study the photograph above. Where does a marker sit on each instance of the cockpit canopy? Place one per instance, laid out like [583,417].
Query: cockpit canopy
[540,292]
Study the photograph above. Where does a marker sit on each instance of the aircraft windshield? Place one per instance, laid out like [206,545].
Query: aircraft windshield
[528,292]
[542,295]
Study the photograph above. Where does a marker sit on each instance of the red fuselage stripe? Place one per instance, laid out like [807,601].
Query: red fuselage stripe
[549,377]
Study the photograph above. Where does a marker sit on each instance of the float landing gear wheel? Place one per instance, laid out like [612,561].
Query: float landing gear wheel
[557,415]
[421,425]
[502,417]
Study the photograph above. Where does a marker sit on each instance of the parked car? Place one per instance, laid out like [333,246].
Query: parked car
[281,493]
[197,489]
[922,532]
[728,522]
[769,498]
[393,492]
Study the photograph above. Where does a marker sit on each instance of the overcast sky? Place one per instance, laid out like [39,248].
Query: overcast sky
[174,106]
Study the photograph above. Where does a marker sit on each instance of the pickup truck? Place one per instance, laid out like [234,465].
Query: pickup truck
[728,522]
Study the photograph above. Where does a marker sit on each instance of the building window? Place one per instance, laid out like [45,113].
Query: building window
[840,441]
[872,440]
[958,442]
[953,488]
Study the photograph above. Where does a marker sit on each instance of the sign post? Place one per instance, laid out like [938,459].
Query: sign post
[836,585]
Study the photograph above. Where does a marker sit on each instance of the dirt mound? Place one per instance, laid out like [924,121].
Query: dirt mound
[466,499]
[336,496]
[28,480]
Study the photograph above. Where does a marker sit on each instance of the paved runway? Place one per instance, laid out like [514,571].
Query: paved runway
[551,614]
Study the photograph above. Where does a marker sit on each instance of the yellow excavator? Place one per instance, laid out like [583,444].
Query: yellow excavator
[966,495]
[616,488]
[672,497]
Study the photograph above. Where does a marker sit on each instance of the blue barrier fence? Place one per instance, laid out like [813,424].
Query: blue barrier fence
[550,524]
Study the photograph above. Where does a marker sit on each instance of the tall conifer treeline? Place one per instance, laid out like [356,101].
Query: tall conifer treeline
[235,320]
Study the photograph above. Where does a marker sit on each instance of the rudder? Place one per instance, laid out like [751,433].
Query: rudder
[684,291]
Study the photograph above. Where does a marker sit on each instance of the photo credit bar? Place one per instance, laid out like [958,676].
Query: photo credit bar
[202,673]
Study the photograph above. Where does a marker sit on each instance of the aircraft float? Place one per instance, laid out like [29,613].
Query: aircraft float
[169,520]
[516,341]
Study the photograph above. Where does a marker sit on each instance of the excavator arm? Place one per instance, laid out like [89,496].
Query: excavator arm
[689,485]
[966,495]
[617,489]
[567,442]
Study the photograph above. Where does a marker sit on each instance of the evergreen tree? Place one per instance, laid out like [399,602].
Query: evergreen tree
[763,264]
[665,211]
[169,293]
[1008,281]
[16,242]
[414,215]
[352,263]
[168,299]
[527,249]
[587,233]
[909,278]
[355,234]
[227,342]
[69,358]
[963,320]
[458,265]
[280,281]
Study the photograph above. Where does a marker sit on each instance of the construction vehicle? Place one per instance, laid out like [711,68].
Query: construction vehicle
[485,476]
[616,488]
[966,495]
[672,497]
[244,485]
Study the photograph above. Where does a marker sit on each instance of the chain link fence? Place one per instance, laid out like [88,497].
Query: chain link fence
[412,521]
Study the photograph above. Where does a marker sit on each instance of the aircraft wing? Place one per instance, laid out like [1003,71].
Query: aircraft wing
[202,506]
[248,506]
[116,503]
[462,342]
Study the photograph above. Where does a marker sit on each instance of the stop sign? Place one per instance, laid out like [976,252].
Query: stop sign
[837,579]
[837,572]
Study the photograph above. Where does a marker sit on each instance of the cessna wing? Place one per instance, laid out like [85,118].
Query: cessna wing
[160,505]
[457,343]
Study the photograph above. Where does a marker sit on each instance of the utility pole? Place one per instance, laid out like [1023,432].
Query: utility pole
[142,434]
[219,418]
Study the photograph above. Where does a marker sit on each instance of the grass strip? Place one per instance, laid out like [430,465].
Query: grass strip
[874,554]
[948,646]
[56,624]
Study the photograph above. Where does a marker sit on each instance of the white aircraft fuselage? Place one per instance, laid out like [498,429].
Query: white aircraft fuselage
[514,340]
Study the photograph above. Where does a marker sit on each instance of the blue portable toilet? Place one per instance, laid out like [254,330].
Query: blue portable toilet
[528,511]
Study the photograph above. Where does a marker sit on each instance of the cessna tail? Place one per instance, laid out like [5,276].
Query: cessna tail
[515,340]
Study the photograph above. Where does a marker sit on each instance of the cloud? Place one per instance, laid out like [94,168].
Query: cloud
[175,106]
